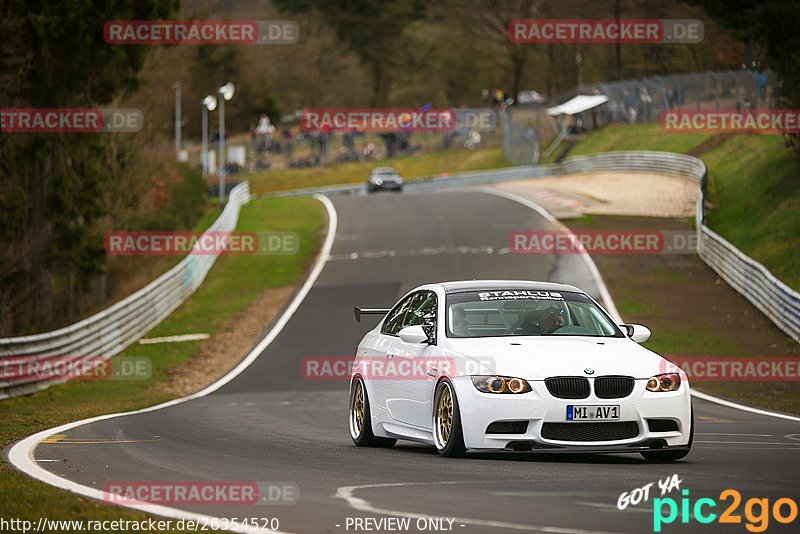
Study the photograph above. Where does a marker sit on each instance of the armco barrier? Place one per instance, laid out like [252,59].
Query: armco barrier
[774,298]
[754,281]
[107,333]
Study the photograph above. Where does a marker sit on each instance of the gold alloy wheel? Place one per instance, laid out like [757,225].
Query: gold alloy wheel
[444,416]
[357,410]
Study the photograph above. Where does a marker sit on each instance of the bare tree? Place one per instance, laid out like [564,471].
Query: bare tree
[489,20]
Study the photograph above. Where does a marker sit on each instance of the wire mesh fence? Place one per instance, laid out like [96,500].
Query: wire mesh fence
[640,101]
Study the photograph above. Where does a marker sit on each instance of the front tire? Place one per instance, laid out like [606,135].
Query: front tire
[360,420]
[671,456]
[448,435]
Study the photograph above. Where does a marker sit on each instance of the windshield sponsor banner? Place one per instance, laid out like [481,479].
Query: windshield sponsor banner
[606,31]
[41,368]
[732,121]
[200,243]
[201,32]
[519,294]
[734,369]
[343,120]
[603,242]
[201,493]
[66,120]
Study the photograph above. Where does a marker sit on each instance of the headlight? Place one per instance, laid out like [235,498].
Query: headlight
[500,384]
[377,181]
[666,382]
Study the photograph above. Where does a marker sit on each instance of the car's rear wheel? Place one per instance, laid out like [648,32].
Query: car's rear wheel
[360,420]
[447,432]
[671,456]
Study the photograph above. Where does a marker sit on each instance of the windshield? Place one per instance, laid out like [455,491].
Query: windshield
[526,313]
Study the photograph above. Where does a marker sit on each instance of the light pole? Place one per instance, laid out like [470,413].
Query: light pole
[177,87]
[225,93]
[209,104]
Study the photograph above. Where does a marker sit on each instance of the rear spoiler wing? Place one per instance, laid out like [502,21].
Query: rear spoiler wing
[369,311]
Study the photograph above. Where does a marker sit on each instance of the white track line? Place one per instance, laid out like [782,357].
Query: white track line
[729,404]
[21,454]
[598,280]
[357,503]
[609,304]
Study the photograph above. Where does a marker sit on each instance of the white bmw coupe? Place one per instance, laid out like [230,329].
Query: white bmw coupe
[515,365]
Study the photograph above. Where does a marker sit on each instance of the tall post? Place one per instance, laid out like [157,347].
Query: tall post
[618,45]
[204,154]
[177,87]
[221,164]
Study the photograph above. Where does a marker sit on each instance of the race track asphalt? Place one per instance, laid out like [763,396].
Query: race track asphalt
[270,424]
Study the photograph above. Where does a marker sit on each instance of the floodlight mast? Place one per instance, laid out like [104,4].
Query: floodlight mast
[226,93]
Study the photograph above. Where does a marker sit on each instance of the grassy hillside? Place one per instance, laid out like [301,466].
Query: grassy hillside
[754,187]
[234,282]
[414,166]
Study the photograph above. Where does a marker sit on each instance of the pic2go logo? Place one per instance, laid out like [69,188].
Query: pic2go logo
[783,511]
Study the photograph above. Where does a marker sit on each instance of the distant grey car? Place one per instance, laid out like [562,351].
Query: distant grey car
[384,178]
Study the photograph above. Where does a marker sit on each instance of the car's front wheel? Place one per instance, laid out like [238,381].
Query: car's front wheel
[360,420]
[447,432]
[671,456]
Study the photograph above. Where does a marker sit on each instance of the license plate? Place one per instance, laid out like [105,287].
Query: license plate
[592,413]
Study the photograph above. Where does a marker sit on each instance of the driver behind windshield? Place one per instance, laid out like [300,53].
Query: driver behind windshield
[540,322]
[551,320]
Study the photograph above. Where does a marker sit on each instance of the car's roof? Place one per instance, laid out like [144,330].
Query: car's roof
[492,285]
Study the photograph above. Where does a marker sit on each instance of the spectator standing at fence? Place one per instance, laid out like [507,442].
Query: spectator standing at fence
[287,141]
[253,137]
[264,130]
[646,99]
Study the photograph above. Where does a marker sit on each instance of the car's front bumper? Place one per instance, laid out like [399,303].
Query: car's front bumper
[389,186]
[538,407]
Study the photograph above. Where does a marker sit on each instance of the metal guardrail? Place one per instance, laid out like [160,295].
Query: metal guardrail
[774,298]
[110,331]
[779,302]
[107,333]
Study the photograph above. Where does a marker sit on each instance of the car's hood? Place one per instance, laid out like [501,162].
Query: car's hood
[536,358]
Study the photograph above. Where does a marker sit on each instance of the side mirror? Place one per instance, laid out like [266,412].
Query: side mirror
[637,332]
[413,334]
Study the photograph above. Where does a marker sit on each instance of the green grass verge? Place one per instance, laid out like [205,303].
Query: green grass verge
[754,187]
[231,285]
[637,137]
[410,167]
